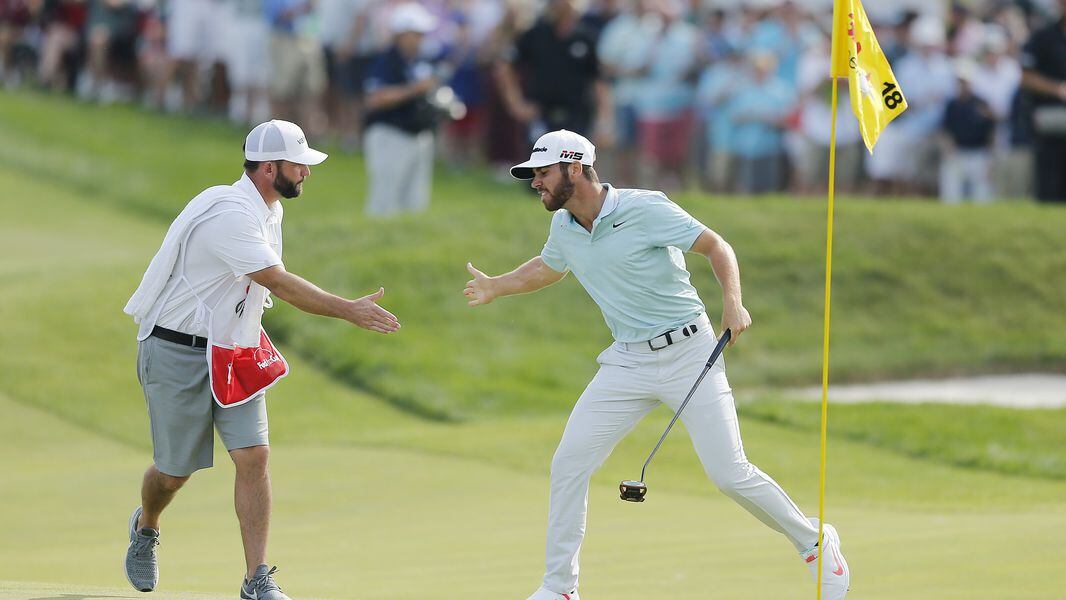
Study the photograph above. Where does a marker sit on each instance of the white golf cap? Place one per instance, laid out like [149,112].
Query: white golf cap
[411,17]
[280,140]
[556,147]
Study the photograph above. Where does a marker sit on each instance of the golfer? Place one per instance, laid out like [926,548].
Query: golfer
[203,358]
[625,247]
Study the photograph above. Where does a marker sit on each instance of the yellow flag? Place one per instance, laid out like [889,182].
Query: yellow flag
[876,97]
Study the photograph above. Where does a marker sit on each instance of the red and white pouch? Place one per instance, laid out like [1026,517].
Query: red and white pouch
[241,359]
[238,373]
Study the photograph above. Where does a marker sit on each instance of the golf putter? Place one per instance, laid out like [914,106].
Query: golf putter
[634,491]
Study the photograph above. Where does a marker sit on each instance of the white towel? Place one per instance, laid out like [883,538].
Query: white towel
[162,265]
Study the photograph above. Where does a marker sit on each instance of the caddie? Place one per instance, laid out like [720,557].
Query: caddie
[625,247]
[204,359]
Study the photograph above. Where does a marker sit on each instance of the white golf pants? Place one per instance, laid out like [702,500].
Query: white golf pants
[633,380]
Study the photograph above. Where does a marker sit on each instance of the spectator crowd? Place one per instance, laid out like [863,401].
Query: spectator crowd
[730,96]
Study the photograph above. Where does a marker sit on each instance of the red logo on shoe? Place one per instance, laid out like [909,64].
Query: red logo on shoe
[567,596]
[840,563]
[840,567]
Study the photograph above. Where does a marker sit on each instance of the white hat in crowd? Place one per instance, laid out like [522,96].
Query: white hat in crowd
[280,140]
[928,31]
[556,147]
[995,39]
[411,17]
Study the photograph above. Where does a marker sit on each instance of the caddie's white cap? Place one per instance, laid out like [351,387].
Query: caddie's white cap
[411,17]
[280,140]
[556,147]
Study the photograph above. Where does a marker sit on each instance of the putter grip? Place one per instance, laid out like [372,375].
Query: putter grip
[722,341]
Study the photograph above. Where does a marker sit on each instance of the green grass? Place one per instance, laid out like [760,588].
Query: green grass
[62,288]
[1018,442]
[919,288]
[381,524]
[375,500]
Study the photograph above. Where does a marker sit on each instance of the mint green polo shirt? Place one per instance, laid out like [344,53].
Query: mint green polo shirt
[632,263]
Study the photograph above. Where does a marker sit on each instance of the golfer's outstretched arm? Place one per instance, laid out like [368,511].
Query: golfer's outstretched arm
[310,298]
[530,277]
[724,264]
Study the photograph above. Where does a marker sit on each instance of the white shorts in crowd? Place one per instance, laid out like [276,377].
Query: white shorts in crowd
[196,29]
[894,157]
[247,53]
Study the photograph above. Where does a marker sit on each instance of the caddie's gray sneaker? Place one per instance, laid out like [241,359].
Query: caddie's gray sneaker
[142,568]
[262,586]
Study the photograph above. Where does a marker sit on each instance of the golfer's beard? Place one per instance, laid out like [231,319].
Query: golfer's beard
[285,186]
[562,193]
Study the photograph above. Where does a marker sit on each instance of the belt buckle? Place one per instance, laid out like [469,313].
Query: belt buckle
[688,330]
[666,335]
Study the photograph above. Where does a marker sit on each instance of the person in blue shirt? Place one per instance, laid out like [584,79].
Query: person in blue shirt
[664,102]
[463,132]
[626,248]
[715,91]
[760,108]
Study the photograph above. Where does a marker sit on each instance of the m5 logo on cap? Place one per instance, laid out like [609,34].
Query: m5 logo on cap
[571,155]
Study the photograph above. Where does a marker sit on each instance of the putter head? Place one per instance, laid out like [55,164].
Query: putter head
[633,491]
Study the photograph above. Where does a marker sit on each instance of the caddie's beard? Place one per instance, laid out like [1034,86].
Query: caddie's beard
[285,186]
[562,193]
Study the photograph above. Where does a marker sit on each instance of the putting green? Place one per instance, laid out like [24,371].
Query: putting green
[365,523]
[11,590]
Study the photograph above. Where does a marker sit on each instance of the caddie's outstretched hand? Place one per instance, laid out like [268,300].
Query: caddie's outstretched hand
[736,319]
[478,289]
[367,314]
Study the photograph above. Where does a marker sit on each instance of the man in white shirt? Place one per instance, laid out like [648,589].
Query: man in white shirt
[212,277]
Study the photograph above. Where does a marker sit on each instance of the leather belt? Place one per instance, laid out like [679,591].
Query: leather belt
[177,337]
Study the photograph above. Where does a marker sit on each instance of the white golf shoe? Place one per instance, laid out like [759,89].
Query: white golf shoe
[546,594]
[836,577]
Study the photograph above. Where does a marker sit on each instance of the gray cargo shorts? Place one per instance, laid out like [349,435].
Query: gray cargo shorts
[181,409]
